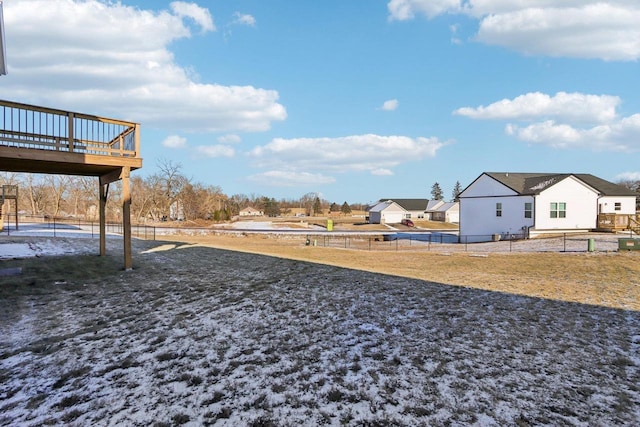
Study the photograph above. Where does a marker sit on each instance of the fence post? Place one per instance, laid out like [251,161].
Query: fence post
[564,242]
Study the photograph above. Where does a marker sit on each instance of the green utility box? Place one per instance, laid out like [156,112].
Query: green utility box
[629,244]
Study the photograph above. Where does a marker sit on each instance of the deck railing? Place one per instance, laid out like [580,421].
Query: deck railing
[615,222]
[28,126]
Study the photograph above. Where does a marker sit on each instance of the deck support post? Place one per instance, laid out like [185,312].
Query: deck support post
[103,188]
[126,217]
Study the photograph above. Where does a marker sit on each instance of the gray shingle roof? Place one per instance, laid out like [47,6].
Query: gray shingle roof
[410,204]
[534,183]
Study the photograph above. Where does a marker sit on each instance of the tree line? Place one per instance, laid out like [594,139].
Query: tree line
[170,195]
[166,195]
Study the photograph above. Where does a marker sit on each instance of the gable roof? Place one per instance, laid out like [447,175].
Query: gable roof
[410,204]
[433,205]
[535,183]
[382,205]
[447,206]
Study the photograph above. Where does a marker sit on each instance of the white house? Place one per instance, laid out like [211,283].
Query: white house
[432,206]
[250,211]
[446,212]
[393,211]
[497,205]
[386,212]
[414,208]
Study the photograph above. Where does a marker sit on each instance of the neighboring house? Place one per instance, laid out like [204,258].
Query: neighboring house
[249,211]
[386,212]
[414,208]
[498,205]
[432,206]
[446,212]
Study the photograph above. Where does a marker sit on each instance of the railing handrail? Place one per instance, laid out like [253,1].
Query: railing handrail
[34,127]
[59,112]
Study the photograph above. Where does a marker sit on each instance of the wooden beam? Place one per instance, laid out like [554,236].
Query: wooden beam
[103,215]
[110,177]
[126,218]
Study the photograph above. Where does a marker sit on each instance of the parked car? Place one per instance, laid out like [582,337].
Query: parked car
[408,223]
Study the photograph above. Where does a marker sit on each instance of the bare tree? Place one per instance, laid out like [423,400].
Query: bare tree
[57,186]
[171,182]
[82,193]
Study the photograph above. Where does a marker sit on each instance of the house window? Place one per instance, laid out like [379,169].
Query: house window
[528,209]
[498,209]
[407,216]
[618,206]
[558,210]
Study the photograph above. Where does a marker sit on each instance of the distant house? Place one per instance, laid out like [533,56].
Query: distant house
[414,208]
[446,212]
[250,211]
[386,212]
[393,211]
[496,205]
[432,206]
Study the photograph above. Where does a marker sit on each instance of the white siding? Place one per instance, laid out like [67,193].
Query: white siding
[581,206]
[627,205]
[453,214]
[478,220]
[390,213]
[485,186]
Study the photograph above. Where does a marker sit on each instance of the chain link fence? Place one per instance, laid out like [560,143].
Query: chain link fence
[383,241]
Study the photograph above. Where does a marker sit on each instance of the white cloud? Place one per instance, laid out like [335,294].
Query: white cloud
[402,10]
[191,10]
[571,28]
[290,178]
[569,106]
[123,60]
[628,176]
[390,105]
[364,153]
[565,120]
[454,34]
[620,135]
[244,19]
[214,151]
[229,139]
[174,141]
[382,172]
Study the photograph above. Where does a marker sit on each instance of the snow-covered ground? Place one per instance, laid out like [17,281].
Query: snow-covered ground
[200,336]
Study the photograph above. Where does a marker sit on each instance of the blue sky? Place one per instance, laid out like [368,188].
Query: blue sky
[355,100]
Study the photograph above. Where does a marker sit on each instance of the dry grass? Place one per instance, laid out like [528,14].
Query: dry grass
[607,279]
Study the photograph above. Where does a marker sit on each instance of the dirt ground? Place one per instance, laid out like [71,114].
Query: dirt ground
[196,335]
[609,279]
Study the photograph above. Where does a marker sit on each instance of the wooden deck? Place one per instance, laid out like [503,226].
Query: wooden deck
[619,222]
[45,140]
